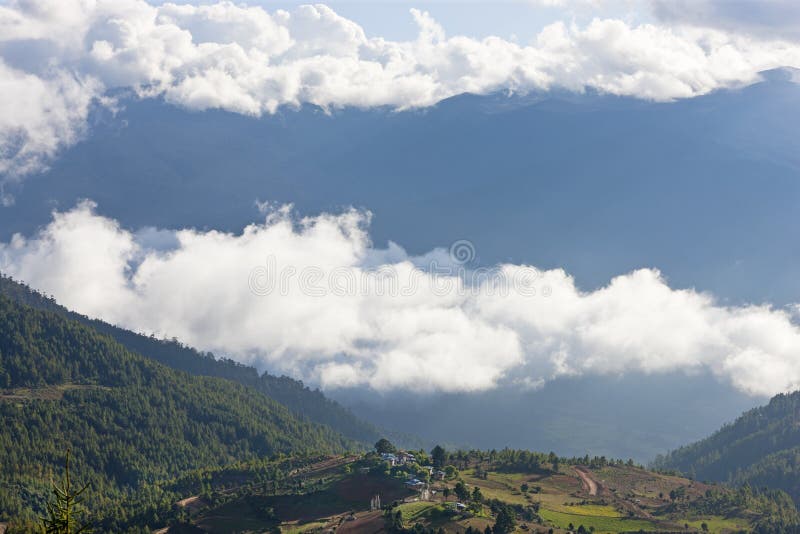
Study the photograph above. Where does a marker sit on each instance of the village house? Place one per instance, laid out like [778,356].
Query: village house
[415,483]
[406,457]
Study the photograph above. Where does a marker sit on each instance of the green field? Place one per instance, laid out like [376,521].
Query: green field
[593,510]
[498,486]
[601,523]
[718,524]
[414,511]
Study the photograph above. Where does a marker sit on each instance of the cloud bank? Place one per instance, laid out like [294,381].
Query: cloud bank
[58,58]
[329,319]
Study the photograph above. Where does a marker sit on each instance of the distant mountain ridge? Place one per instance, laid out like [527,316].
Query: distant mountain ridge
[761,448]
[536,178]
[300,399]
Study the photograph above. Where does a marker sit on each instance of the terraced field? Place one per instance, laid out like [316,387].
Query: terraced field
[611,499]
[628,499]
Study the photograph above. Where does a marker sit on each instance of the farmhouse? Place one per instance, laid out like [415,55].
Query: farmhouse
[415,483]
[401,458]
[406,457]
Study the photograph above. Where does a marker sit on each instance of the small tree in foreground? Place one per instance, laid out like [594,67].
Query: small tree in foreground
[66,506]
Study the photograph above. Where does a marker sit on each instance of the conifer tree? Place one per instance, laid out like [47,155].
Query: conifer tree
[64,510]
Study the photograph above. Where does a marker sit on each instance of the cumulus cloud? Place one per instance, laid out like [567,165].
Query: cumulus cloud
[312,297]
[60,57]
[39,116]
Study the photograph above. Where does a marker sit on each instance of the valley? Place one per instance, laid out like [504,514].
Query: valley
[569,495]
[171,440]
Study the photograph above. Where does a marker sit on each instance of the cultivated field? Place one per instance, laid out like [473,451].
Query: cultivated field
[608,499]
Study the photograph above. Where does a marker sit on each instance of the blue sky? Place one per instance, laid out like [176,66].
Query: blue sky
[391,19]
[520,19]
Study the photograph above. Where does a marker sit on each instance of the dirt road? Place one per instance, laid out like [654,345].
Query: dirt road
[587,480]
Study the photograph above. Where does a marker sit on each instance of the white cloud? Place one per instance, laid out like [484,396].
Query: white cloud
[38,116]
[339,323]
[57,57]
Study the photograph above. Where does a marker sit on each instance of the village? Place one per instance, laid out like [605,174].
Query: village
[422,486]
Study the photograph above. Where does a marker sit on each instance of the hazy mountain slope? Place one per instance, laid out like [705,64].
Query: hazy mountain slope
[130,421]
[636,416]
[704,189]
[292,393]
[760,448]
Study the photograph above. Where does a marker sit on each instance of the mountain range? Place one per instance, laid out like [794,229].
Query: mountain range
[761,448]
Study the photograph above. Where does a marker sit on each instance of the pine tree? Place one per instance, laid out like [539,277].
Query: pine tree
[63,511]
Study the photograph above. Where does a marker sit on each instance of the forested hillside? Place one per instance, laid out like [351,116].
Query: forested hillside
[292,393]
[761,448]
[132,423]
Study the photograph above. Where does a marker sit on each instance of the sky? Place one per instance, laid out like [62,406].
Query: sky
[508,19]
[311,295]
